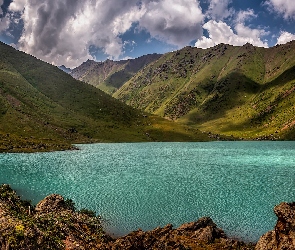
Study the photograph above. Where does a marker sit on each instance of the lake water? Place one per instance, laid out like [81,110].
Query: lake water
[145,185]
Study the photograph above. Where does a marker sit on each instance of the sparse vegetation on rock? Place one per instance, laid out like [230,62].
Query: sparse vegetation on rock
[52,224]
[56,224]
[283,235]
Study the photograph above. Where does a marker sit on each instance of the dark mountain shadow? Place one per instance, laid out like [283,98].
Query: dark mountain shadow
[226,94]
[282,79]
[270,101]
[118,79]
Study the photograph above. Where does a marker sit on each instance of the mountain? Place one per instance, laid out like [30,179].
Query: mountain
[244,91]
[65,69]
[111,75]
[43,108]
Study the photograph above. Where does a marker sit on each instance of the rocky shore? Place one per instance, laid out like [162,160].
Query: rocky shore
[56,224]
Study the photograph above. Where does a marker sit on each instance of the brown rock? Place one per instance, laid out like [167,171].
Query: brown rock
[201,223]
[53,202]
[283,236]
[203,231]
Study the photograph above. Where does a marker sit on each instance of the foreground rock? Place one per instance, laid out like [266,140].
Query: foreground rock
[202,234]
[55,224]
[283,236]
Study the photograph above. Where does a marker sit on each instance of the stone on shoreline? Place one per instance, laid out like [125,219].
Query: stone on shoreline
[201,234]
[56,224]
[283,235]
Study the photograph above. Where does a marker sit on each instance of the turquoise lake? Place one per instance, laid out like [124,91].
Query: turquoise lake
[145,185]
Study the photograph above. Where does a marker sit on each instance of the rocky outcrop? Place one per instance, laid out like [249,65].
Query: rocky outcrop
[283,236]
[54,202]
[56,224]
[201,234]
[53,224]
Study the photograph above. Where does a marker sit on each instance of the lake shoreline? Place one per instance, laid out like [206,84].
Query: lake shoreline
[55,223]
[147,185]
[20,220]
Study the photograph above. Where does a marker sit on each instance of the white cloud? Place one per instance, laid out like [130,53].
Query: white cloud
[61,31]
[127,58]
[283,7]
[176,22]
[220,32]
[4,24]
[245,15]
[219,9]
[18,5]
[285,37]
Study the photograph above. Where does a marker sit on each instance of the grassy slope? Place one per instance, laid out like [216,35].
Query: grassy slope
[43,108]
[242,91]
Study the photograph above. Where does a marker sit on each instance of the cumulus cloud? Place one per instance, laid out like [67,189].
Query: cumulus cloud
[245,15]
[18,5]
[283,7]
[285,37]
[62,31]
[4,24]
[219,9]
[220,32]
[176,22]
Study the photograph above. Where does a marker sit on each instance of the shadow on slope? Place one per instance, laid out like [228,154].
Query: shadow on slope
[229,93]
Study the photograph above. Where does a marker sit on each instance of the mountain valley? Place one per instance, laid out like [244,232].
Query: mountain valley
[42,108]
[241,91]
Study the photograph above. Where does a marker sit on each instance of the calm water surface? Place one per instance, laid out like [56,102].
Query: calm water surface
[145,185]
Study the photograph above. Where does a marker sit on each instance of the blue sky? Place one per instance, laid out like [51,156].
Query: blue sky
[70,32]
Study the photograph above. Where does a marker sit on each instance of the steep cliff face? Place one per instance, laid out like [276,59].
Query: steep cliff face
[283,235]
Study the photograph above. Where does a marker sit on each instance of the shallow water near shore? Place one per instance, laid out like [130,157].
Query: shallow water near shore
[145,185]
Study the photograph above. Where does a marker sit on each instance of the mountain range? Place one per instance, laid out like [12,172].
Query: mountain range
[44,108]
[227,92]
[241,91]
[111,75]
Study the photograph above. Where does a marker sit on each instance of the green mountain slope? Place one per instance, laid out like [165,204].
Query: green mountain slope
[111,75]
[43,108]
[241,91]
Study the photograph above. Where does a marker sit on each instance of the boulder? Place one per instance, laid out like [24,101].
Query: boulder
[203,231]
[51,203]
[283,235]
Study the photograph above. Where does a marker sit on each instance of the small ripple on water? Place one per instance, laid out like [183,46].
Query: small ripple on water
[151,184]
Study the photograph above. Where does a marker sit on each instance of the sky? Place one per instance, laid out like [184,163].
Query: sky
[69,32]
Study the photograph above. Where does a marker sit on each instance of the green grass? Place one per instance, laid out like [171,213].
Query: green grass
[48,109]
[225,89]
